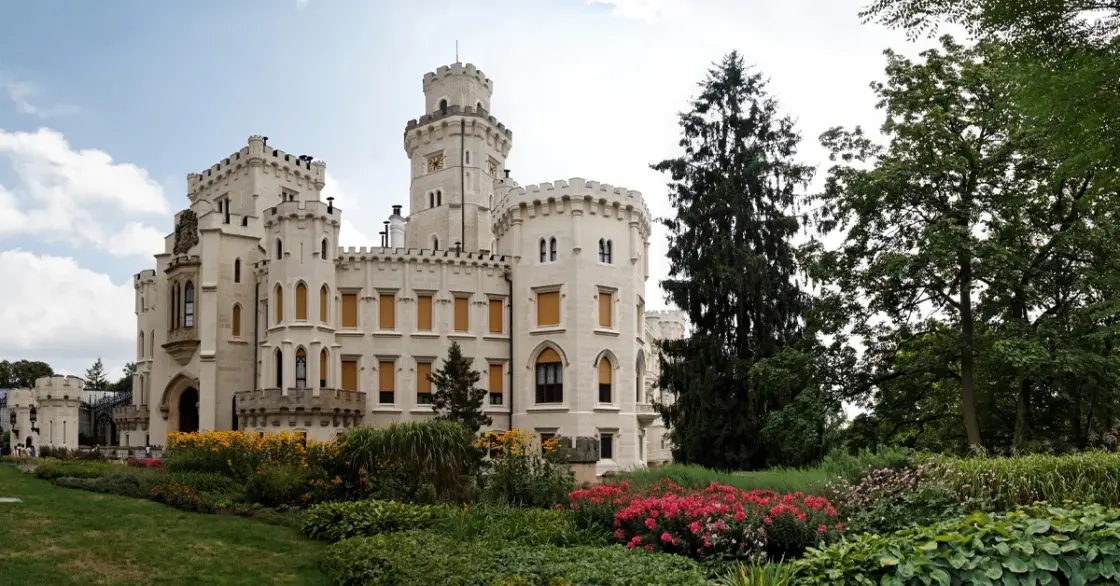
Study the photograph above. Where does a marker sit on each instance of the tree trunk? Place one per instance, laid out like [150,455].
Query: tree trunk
[968,363]
[1022,415]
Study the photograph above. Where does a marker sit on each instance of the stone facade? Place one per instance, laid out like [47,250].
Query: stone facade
[47,415]
[255,318]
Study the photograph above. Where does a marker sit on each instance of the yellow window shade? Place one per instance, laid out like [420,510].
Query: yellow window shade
[496,378]
[236,325]
[549,355]
[349,310]
[605,308]
[324,364]
[385,376]
[548,308]
[350,375]
[424,313]
[423,383]
[301,302]
[462,315]
[604,371]
[324,304]
[279,304]
[495,316]
[388,311]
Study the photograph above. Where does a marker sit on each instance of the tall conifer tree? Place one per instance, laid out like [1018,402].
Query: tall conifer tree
[732,267]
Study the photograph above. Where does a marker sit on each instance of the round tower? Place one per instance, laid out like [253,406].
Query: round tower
[457,150]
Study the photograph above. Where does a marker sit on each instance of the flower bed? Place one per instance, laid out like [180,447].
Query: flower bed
[145,462]
[715,522]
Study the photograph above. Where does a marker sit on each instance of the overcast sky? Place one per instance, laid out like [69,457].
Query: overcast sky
[105,111]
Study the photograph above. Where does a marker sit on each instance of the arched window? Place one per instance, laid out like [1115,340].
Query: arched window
[467,157]
[544,251]
[279,249]
[477,106]
[552,249]
[188,305]
[605,380]
[173,307]
[142,306]
[324,368]
[237,320]
[493,246]
[279,369]
[301,302]
[301,368]
[324,304]
[152,344]
[431,199]
[439,197]
[443,106]
[605,251]
[550,377]
[435,242]
[279,303]
[491,202]
[237,270]
[323,250]
[140,349]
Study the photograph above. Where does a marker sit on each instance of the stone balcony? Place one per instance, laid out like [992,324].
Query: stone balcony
[303,407]
[131,417]
[646,414]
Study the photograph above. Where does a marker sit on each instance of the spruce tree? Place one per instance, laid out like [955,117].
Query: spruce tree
[456,396]
[95,376]
[732,267]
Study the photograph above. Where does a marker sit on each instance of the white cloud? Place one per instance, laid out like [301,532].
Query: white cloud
[24,95]
[301,4]
[643,10]
[349,203]
[80,197]
[55,311]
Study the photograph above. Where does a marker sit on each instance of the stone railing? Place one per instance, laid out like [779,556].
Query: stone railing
[300,407]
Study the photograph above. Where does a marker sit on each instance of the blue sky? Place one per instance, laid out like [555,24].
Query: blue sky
[106,106]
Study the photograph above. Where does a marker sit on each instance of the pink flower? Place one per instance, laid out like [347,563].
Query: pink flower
[767,520]
[651,523]
[740,516]
[666,538]
[821,529]
[694,527]
[619,533]
[649,548]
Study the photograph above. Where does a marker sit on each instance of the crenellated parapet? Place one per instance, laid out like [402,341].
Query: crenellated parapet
[604,199]
[304,209]
[441,124]
[293,408]
[445,72]
[143,278]
[256,153]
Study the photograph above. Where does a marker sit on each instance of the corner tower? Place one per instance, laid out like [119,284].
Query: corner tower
[457,150]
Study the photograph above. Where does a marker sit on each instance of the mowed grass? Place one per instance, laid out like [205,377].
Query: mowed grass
[807,480]
[59,536]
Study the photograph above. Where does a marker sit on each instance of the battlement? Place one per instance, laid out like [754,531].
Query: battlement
[347,254]
[669,315]
[574,188]
[257,152]
[457,110]
[145,276]
[445,71]
[306,208]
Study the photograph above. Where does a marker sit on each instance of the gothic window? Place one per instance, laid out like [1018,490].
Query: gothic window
[237,321]
[237,270]
[467,157]
[544,251]
[550,377]
[279,249]
[173,309]
[140,346]
[323,250]
[279,303]
[439,197]
[279,369]
[435,242]
[478,106]
[605,251]
[605,380]
[324,304]
[301,302]
[324,367]
[552,249]
[491,206]
[152,343]
[188,305]
[301,369]
[443,106]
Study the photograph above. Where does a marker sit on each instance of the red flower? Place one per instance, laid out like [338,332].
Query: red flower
[666,538]
[651,524]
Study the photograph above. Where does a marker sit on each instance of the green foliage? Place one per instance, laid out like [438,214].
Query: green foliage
[759,574]
[522,471]
[21,374]
[419,558]
[1092,477]
[277,485]
[852,466]
[732,271]
[51,469]
[785,480]
[1037,545]
[337,521]
[887,500]
[456,395]
[95,376]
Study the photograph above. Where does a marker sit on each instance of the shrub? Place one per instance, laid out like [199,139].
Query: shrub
[807,480]
[759,574]
[716,522]
[1010,482]
[506,524]
[337,521]
[422,558]
[237,454]
[278,484]
[523,472]
[887,500]
[51,469]
[852,467]
[183,497]
[1036,545]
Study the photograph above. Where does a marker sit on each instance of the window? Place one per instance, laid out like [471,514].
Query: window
[279,303]
[385,382]
[387,311]
[301,369]
[279,249]
[605,251]
[439,197]
[496,316]
[606,308]
[435,242]
[349,310]
[152,343]
[324,304]
[188,305]
[279,369]
[550,377]
[462,314]
[443,106]
[496,380]
[174,309]
[323,249]
[491,206]
[606,446]
[424,313]
[544,251]
[552,249]
[349,374]
[467,157]
[324,367]
[237,320]
[423,383]
[237,270]
[548,308]
[224,206]
[301,302]
[431,199]
[604,380]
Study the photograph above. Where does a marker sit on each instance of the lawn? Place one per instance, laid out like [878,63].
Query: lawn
[60,536]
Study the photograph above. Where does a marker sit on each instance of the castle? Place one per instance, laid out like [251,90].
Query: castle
[255,319]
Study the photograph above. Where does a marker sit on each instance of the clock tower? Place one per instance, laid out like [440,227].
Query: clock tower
[457,150]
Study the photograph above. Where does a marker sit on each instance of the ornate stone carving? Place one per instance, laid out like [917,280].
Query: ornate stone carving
[186,232]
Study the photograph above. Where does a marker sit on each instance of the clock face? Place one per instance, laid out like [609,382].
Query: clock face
[492,168]
[435,163]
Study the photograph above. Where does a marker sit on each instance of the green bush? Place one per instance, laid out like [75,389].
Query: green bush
[887,500]
[516,525]
[183,498]
[423,558]
[51,469]
[1092,477]
[1035,545]
[785,480]
[337,521]
[759,573]
[852,467]
[276,485]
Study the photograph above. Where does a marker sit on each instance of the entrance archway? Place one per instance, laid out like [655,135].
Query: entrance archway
[188,410]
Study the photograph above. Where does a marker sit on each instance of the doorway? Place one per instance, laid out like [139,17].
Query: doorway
[188,410]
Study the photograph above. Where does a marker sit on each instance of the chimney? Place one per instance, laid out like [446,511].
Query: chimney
[330,205]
